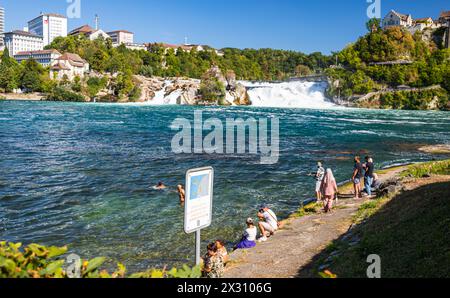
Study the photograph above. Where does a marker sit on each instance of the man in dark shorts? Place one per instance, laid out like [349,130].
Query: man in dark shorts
[357,176]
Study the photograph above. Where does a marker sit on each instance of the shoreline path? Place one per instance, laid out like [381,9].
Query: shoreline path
[300,239]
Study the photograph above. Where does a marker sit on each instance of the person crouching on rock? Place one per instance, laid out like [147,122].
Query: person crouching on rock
[268,223]
[329,189]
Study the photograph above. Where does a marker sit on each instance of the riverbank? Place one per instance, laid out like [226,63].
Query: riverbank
[22,96]
[289,94]
[306,245]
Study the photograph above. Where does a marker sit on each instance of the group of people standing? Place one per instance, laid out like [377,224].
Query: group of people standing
[216,257]
[326,186]
[370,178]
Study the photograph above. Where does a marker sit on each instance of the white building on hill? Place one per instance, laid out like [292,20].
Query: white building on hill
[49,26]
[22,41]
[394,18]
[119,37]
[89,32]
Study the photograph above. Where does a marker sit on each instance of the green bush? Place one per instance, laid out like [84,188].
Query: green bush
[414,100]
[37,261]
[135,94]
[94,85]
[61,94]
[212,90]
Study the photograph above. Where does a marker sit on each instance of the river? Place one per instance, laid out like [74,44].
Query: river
[81,174]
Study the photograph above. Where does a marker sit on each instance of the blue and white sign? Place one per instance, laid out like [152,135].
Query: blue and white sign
[199,198]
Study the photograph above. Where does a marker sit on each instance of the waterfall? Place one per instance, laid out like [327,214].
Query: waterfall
[161,98]
[293,94]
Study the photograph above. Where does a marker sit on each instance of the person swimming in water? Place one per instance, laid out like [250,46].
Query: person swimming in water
[160,186]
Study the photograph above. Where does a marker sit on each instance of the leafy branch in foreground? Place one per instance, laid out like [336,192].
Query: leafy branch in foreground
[37,261]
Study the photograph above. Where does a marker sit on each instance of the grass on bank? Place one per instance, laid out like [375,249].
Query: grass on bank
[428,169]
[409,231]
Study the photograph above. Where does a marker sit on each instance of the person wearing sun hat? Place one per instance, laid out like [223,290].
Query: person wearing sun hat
[249,237]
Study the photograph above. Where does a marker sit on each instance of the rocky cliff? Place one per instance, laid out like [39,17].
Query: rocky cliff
[185,91]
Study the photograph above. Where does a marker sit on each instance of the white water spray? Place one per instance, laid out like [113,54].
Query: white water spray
[289,95]
[264,94]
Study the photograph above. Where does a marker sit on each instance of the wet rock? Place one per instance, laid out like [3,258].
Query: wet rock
[188,97]
[215,72]
[236,92]
[231,80]
[390,187]
[240,95]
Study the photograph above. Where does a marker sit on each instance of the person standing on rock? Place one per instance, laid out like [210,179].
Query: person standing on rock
[319,178]
[368,176]
[357,176]
[329,189]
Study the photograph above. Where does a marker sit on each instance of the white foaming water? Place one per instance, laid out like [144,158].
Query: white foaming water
[289,95]
[161,99]
[308,95]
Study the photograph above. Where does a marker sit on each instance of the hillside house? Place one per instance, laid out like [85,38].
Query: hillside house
[394,18]
[69,65]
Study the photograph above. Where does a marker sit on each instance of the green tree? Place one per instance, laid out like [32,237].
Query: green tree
[372,24]
[211,89]
[76,84]
[94,85]
[10,72]
[8,78]
[32,76]
[302,70]
[123,85]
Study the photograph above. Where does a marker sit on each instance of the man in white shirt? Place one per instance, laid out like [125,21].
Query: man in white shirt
[268,222]
[319,179]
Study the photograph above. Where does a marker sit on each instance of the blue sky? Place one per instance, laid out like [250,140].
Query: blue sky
[301,25]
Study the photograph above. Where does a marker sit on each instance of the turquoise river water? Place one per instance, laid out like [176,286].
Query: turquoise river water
[81,174]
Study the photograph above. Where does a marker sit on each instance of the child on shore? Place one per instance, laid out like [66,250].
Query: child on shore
[249,238]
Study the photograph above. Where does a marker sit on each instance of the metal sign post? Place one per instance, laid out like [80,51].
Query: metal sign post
[198,204]
[198,244]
